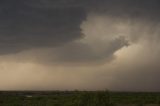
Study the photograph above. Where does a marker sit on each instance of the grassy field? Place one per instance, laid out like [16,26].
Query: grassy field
[79,98]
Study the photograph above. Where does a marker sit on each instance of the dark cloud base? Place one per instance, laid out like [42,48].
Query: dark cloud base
[27,25]
[24,27]
[43,23]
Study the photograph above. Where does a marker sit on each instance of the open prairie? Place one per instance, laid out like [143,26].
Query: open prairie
[79,98]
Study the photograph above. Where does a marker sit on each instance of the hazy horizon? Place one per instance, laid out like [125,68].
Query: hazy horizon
[80,44]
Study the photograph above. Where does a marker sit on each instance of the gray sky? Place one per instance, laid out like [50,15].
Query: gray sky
[85,45]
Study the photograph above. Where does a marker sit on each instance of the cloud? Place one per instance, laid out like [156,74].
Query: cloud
[85,44]
[25,27]
[45,23]
[137,68]
[134,9]
[84,53]
[73,53]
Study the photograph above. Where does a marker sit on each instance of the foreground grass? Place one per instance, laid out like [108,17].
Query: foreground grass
[77,98]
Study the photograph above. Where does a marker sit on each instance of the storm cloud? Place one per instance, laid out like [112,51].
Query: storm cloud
[25,25]
[45,23]
[85,44]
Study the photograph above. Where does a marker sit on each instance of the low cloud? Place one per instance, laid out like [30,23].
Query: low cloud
[26,27]
[86,45]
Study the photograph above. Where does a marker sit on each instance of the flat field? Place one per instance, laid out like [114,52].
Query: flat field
[78,98]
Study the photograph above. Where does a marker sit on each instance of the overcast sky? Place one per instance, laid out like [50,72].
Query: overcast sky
[80,44]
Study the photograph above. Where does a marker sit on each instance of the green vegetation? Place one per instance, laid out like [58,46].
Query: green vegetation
[77,98]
